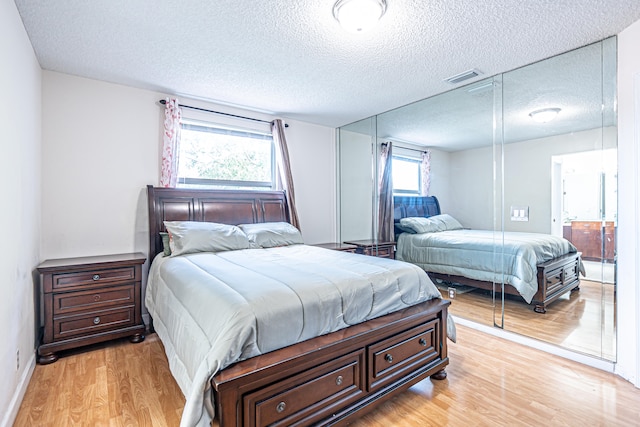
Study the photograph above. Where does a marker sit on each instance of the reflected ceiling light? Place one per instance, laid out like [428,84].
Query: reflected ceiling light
[358,16]
[545,115]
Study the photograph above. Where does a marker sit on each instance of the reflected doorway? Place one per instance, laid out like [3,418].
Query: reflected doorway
[584,191]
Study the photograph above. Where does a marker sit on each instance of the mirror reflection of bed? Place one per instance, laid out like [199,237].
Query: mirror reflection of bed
[480,172]
[535,266]
[571,319]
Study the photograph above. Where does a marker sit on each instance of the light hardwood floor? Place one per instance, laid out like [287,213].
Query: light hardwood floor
[491,382]
[581,321]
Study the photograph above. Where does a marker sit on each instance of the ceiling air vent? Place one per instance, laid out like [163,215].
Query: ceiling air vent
[463,76]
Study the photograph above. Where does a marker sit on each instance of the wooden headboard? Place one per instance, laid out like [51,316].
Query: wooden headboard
[222,206]
[408,206]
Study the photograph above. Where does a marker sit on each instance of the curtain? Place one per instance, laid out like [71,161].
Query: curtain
[285,179]
[170,143]
[425,172]
[385,191]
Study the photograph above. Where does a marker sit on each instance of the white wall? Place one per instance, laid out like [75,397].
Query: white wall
[527,169]
[100,150]
[441,178]
[101,147]
[20,119]
[313,164]
[471,197]
[356,186]
[628,292]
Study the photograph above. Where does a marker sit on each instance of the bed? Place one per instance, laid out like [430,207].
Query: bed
[537,267]
[324,372]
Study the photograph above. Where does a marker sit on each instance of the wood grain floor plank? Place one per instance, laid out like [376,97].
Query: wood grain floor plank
[582,321]
[491,382]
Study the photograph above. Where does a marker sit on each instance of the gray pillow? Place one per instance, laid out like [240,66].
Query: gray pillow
[191,236]
[447,222]
[421,225]
[272,234]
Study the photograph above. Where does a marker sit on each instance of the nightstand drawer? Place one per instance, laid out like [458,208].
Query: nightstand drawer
[92,300]
[89,323]
[94,277]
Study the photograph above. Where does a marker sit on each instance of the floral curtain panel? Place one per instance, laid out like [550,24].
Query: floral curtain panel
[285,179]
[425,170]
[170,143]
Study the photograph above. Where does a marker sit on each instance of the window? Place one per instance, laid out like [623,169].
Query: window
[226,158]
[406,176]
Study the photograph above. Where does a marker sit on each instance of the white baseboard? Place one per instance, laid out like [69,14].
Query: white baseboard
[14,406]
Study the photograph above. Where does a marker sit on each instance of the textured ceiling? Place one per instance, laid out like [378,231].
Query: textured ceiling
[290,58]
[580,82]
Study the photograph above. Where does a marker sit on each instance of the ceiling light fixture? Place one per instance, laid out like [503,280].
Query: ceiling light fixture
[358,16]
[545,115]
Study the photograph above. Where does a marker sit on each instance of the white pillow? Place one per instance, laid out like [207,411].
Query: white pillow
[421,224]
[447,222]
[191,236]
[272,234]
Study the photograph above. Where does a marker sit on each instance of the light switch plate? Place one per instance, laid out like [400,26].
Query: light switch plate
[519,213]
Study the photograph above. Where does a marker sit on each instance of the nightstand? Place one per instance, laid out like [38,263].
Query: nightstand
[89,300]
[374,248]
[338,247]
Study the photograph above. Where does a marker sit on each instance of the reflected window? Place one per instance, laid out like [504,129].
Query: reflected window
[406,176]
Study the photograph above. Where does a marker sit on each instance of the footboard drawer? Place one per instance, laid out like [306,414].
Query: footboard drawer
[570,273]
[323,381]
[308,396]
[393,358]
[554,280]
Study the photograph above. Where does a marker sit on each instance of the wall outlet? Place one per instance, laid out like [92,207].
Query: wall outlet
[17,360]
[452,292]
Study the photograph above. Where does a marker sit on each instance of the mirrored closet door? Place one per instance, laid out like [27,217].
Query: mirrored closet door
[560,178]
[497,170]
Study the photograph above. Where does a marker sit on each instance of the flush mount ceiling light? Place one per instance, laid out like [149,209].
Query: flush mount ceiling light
[358,16]
[545,115]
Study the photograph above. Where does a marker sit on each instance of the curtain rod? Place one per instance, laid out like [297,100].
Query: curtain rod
[406,148]
[163,102]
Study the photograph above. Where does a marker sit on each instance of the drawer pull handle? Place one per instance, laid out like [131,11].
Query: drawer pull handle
[339,380]
[96,277]
[388,358]
[423,342]
[96,298]
[281,407]
[96,320]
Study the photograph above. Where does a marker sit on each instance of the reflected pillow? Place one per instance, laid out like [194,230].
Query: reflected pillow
[420,225]
[447,222]
[272,234]
[403,229]
[192,236]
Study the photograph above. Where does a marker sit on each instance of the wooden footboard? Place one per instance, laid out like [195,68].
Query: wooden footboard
[555,278]
[333,378]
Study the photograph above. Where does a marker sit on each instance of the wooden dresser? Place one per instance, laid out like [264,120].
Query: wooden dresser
[89,300]
[374,248]
[595,241]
